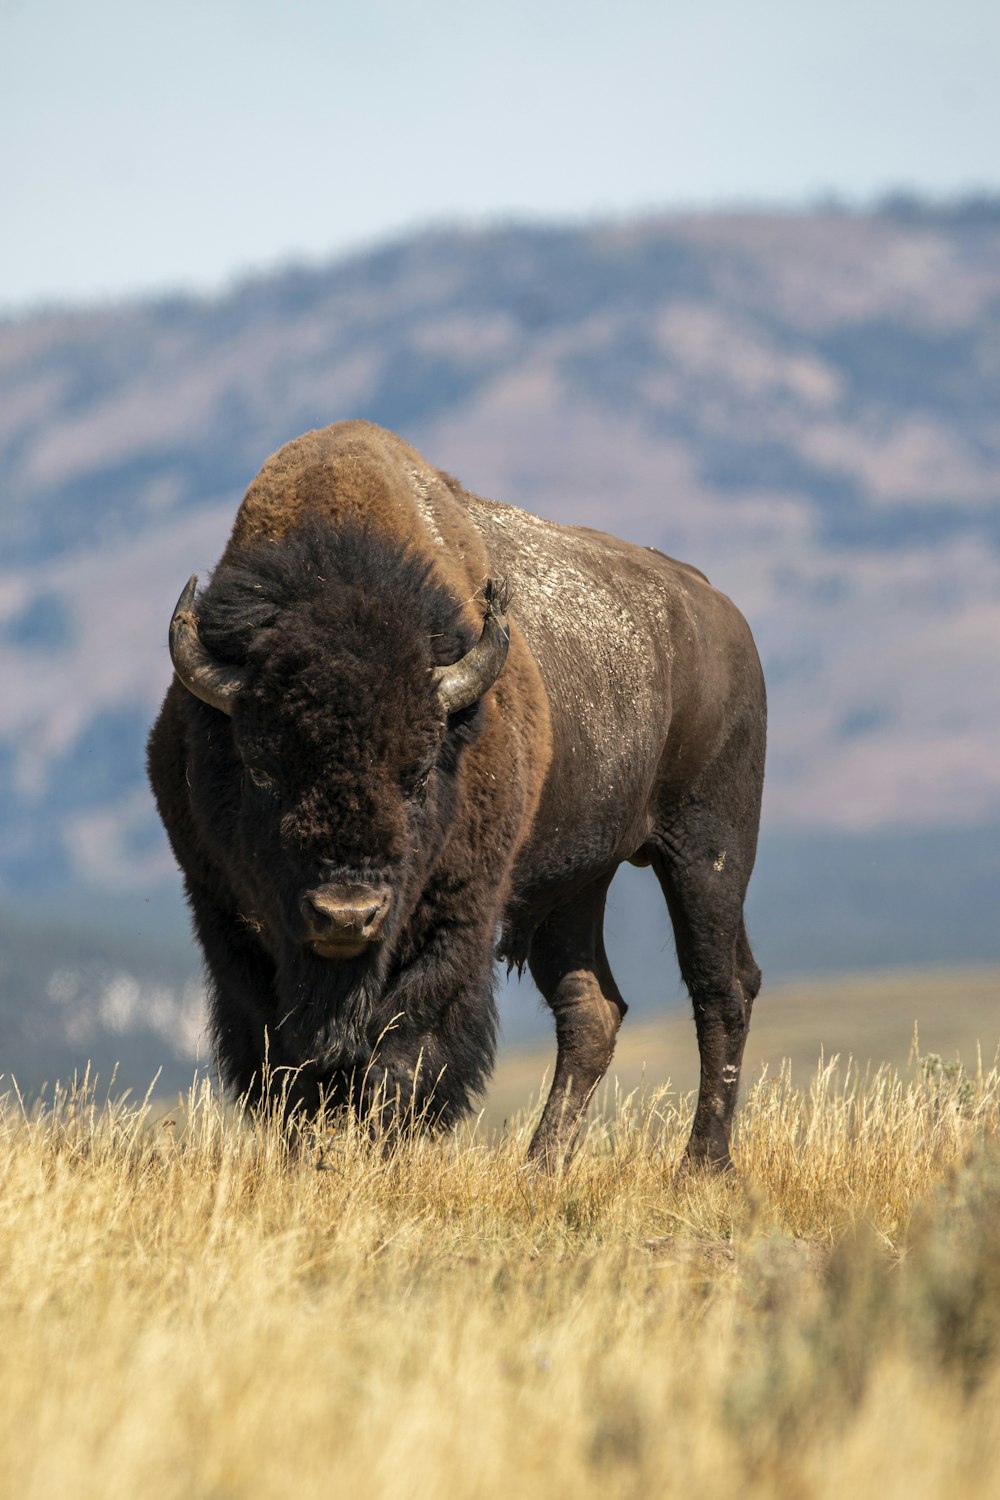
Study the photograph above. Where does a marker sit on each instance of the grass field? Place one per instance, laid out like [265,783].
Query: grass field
[194,1304]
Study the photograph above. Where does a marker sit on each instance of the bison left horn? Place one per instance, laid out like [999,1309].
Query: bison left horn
[467,680]
[214,682]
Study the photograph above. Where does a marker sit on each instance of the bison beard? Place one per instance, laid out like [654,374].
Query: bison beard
[363,788]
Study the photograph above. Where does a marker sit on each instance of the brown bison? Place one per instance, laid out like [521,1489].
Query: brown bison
[375,782]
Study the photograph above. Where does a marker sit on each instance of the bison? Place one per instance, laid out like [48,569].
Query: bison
[376,781]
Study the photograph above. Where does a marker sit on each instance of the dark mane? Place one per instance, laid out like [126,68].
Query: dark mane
[317,560]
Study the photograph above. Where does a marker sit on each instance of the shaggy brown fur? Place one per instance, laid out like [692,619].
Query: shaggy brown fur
[627,724]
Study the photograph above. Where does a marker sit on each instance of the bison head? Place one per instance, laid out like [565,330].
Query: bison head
[334,688]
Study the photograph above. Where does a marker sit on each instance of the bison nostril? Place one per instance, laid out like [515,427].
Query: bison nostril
[320,917]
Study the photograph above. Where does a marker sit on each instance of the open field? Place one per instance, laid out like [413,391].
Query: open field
[868,1017]
[195,1305]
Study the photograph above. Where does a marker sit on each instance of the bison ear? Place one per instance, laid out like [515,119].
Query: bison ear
[464,683]
[214,682]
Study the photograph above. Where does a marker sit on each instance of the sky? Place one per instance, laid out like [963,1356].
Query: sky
[164,147]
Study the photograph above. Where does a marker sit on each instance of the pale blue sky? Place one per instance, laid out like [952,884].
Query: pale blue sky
[150,145]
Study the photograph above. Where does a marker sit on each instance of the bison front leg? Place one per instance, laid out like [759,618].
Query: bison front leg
[244,1023]
[570,967]
[433,1039]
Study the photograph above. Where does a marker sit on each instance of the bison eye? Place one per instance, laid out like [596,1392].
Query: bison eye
[417,787]
[261,779]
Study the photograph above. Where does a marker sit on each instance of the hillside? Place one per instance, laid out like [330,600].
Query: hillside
[805,405]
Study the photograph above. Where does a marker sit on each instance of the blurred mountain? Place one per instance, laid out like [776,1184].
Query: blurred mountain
[805,405]
[70,996]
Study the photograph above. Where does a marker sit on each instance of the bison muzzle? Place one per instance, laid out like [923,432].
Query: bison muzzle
[405,720]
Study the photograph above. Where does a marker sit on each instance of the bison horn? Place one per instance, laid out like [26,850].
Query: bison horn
[214,682]
[467,680]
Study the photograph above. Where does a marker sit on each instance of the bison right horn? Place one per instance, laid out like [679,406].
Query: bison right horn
[214,682]
[465,682]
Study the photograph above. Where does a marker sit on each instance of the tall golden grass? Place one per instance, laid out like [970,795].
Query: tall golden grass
[200,1304]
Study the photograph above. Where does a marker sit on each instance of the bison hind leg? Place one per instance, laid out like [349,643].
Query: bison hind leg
[722,978]
[704,846]
[570,966]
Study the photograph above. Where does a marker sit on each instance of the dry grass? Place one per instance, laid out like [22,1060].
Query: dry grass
[196,1306]
[872,1016]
